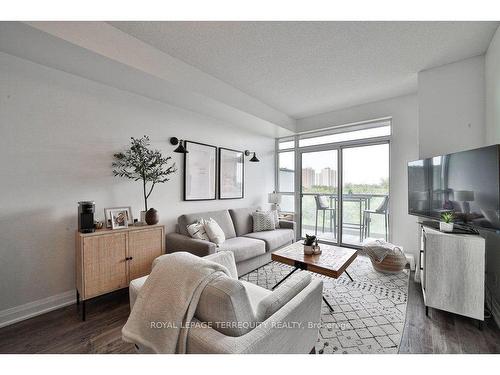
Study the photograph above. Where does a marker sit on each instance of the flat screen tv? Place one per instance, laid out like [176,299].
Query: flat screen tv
[466,183]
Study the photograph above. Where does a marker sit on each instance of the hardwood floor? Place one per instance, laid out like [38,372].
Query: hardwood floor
[62,331]
[443,332]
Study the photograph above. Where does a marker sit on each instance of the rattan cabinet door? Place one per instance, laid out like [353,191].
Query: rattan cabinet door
[104,263]
[144,247]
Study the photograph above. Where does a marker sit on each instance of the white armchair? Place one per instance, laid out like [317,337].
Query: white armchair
[241,317]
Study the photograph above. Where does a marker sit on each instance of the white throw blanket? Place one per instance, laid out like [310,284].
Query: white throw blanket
[378,249]
[167,302]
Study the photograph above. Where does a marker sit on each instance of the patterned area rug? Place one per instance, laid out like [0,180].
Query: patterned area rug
[369,312]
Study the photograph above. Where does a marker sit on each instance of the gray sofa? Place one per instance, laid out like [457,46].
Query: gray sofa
[290,323]
[251,249]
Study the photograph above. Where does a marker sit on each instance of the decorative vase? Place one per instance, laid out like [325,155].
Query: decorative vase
[152,217]
[308,250]
[143,217]
[445,227]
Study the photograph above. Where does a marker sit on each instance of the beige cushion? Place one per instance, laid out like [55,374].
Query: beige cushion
[282,295]
[224,304]
[243,248]
[214,231]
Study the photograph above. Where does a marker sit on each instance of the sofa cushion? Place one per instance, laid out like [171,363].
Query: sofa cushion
[243,248]
[224,303]
[242,220]
[274,239]
[221,217]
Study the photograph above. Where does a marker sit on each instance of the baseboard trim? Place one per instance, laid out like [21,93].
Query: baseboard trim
[31,309]
[494,306]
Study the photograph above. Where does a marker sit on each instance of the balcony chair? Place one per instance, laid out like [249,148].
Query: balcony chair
[382,209]
[322,204]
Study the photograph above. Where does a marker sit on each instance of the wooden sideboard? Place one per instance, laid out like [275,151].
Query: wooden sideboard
[107,260]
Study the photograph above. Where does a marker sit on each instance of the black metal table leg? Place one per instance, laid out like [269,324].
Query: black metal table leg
[347,273]
[328,304]
[286,277]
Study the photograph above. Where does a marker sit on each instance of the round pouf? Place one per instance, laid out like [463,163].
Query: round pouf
[385,257]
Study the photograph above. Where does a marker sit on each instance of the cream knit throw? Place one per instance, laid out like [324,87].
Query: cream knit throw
[167,302]
[379,249]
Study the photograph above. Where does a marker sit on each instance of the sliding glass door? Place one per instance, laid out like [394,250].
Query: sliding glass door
[344,192]
[319,194]
[365,193]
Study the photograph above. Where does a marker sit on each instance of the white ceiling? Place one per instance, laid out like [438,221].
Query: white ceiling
[306,68]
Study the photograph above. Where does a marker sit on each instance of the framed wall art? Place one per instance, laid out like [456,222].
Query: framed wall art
[200,171]
[231,174]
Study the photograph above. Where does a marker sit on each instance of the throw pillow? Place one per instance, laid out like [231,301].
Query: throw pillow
[214,232]
[263,221]
[197,230]
[275,217]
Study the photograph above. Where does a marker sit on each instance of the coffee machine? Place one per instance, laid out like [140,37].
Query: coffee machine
[86,211]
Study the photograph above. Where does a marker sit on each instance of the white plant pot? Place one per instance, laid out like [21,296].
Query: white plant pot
[308,250]
[445,227]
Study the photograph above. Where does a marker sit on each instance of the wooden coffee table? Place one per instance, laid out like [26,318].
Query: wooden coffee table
[332,262]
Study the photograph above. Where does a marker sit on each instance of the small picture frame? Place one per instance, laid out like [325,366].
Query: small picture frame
[107,215]
[119,218]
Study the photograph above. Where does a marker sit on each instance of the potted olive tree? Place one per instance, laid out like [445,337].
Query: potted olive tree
[141,163]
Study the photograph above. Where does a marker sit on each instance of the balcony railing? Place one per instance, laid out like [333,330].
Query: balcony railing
[358,220]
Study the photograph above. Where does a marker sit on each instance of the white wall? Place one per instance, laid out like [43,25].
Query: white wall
[492,136]
[451,103]
[404,148]
[492,83]
[58,135]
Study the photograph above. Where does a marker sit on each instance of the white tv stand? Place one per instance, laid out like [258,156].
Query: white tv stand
[452,268]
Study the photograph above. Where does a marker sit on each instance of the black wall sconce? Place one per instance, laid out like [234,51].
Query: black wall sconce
[254,157]
[181,149]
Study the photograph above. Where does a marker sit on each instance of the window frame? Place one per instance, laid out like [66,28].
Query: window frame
[374,123]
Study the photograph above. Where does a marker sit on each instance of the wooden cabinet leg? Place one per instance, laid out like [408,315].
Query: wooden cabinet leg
[427,311]
[83,311]
[77,298]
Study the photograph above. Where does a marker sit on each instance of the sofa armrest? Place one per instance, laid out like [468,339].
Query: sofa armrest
[292,329]
[287,224]
[179,242]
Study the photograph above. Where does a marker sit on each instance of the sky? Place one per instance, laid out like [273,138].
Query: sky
[362,165]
